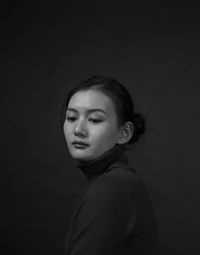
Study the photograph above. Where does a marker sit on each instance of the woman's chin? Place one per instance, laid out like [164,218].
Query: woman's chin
[80,155]
[82,158]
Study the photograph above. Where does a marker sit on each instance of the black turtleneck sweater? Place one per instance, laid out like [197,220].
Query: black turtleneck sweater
[114,213]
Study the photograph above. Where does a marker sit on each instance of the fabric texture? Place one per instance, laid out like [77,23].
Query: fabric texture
[114,213]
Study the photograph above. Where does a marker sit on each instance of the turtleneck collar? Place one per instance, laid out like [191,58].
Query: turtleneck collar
[94,168]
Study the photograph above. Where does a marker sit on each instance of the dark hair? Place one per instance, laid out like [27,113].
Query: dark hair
[121,98]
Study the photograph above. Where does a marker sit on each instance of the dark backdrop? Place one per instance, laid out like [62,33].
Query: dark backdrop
[48,46]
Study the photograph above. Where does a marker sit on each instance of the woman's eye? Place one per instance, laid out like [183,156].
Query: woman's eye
[71,119]
[95,120]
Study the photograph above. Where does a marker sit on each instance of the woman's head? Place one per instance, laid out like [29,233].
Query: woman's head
[100,113]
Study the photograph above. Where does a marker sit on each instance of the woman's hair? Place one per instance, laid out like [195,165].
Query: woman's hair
[122,101]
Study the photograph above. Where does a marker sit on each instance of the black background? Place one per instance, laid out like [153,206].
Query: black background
[48,46]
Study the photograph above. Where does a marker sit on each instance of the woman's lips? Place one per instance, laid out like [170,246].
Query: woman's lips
[80,145]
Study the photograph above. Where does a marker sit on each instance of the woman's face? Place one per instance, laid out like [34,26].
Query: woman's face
[90,119]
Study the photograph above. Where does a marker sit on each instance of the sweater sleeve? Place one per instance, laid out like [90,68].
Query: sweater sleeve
[100,221]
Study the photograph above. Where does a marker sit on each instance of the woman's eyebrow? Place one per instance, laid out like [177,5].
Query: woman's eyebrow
[88,111]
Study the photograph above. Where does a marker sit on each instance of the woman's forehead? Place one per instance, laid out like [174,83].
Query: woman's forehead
[90,99]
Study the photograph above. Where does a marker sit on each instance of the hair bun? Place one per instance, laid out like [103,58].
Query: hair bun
[139,126]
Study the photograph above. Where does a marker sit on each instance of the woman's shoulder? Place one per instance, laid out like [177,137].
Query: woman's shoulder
[125,176]
[107,196]
[106,189]
[117,184]
[130,182]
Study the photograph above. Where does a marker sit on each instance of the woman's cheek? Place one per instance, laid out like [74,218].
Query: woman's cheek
[68,132]
[104,135]
[99,131]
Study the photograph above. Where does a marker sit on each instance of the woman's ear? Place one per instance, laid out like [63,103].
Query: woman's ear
[125,133]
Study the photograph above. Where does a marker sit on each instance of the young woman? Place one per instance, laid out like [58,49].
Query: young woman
[114,213]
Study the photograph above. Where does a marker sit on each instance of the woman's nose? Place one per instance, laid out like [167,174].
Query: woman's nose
[80,129]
